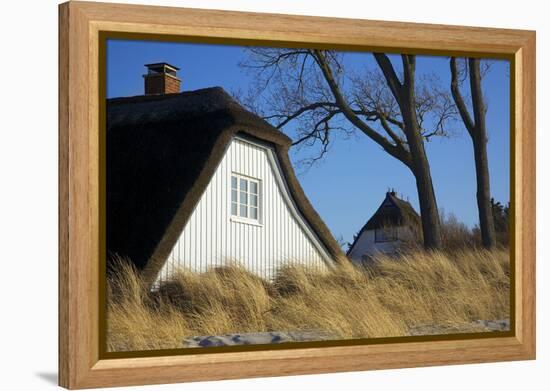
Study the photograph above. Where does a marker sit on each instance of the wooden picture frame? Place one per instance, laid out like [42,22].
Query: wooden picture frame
[81,24]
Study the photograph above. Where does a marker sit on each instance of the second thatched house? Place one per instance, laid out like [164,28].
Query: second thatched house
[394,224]
[194,180]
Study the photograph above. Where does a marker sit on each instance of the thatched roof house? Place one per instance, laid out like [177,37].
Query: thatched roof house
[394,222]
[179,192]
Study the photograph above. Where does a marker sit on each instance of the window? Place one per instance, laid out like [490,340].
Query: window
[245,197]
[385,234]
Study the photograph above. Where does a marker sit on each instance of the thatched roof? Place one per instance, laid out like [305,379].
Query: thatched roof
[162,151]
[393,211]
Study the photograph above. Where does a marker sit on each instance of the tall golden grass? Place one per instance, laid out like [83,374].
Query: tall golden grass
[387,299]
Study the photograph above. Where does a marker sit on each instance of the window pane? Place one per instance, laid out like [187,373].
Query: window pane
[244,185]
[254,213]
[245,195]
[244,211]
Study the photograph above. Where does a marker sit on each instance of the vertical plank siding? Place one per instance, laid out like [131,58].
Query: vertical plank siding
[366,244]
[212,238]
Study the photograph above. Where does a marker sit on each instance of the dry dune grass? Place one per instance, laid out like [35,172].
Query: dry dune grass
[419,288]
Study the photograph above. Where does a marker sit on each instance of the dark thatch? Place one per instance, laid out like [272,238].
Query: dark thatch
[162,151]
[393,212]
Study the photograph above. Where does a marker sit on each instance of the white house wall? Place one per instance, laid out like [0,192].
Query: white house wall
[211,237]
[366,244]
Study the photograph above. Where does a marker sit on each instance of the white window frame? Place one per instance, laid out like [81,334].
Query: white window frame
[239,205]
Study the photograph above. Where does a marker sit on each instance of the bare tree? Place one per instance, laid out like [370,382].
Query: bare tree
[310,89]
[478,133]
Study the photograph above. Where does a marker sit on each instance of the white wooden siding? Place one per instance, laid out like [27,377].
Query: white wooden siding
[367,246]
[212,237]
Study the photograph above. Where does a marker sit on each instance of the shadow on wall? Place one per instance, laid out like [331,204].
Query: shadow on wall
[48,377]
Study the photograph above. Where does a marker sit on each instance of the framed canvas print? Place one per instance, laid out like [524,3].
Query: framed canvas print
[247,195]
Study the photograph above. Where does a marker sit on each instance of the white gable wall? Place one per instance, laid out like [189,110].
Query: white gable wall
[212,236]
[366,245]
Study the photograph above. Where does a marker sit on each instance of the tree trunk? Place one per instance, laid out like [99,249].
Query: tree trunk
[405,96]
[486,223]
[431,227]
[479,139]
[429,213]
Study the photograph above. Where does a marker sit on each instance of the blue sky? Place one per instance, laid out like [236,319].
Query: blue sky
[347,187]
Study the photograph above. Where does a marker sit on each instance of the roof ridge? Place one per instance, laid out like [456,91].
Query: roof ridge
[156,97]
[395,198]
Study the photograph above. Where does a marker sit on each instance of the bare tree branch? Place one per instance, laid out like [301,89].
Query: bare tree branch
[302,110]
[459,100]
[389,73]
[309,88]
[477,93]
[396,151]
[389,131]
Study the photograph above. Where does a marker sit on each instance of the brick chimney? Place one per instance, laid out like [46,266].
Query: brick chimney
[161,78]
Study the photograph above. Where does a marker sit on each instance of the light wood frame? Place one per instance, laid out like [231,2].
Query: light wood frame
[80,365]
